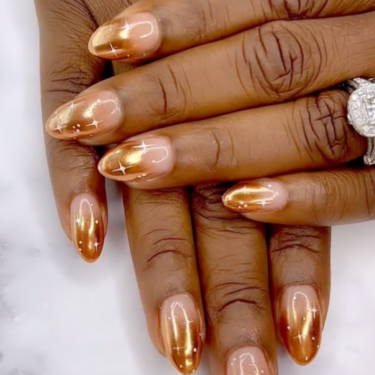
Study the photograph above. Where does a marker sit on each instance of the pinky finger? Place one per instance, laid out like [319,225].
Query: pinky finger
[327,198]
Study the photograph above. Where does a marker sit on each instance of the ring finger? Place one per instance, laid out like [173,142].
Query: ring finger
[232,253]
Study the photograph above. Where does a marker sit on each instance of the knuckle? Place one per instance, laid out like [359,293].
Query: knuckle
[211,215]
[325,129]
[174,93]
[56,12]
[70,157]
[67,68]
[205,13]
[156,200]
[288,239]
[167,253]
[297,9]
[69,79]
[324,189]
[208,205]
[223,295]
[284,62]
[224,143]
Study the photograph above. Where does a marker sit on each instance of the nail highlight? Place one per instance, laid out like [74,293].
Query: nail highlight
[247,361]
[87,228]
[182,332]
[138,160]
[300,323]
[256,196]
[93,114]
[130,37]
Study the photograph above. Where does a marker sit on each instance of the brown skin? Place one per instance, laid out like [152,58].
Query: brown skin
[231,251]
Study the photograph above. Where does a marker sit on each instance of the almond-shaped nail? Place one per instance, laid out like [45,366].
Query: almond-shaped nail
[138,160]
[87,227]
[300,322]
[89,115]
[131,36]
[247,361]
[256,196]
[182,331]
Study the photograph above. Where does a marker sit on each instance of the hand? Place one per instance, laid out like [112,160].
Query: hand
[237,303]
[272,63]
[310,133]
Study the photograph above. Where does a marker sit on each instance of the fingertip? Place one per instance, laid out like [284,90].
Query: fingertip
[256,197]
[139,160]
[89,116]
[88,226]
[131,36]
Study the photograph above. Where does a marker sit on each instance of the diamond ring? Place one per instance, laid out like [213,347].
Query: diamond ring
[361,112]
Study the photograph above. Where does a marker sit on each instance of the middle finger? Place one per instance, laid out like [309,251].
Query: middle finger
[310,133]
[271,63]
[233,267]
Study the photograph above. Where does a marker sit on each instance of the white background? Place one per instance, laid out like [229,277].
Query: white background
[59,316]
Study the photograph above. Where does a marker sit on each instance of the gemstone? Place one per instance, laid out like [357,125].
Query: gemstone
[361,110]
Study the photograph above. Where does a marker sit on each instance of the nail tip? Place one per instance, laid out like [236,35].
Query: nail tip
[303,361]
[89,255]
[91,44]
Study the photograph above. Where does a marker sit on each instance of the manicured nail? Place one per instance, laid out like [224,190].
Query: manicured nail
[87,229]
[93,114]
[300,322]
[247,361]
[182,332]
[130,37]
[256,196]
[137,160]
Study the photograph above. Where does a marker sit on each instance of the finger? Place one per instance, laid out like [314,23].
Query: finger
[78,187]
[324,198]
[300,276]
[310,133]
[162,247]
[234,279]
[152,28]
[274,63]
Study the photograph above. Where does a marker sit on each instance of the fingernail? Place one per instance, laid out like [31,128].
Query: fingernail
[138,160]
[247,361]
[93,114]
[131,37]
[300,323]
[182,332]
[256,196]
[87,229]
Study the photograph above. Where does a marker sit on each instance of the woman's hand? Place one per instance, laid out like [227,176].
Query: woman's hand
[232,251]
[275,62]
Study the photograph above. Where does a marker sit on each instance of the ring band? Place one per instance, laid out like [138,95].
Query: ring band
[361,112]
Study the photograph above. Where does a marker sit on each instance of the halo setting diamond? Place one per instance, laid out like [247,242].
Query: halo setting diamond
[361,110]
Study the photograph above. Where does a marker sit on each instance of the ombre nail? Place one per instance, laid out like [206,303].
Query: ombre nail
[300,322]
[93,114]
[256,196]
[133,36]
[247,361]
[87,227]
[138,159]
[182,332]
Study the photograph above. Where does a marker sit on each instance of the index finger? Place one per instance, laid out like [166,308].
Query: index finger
[152,28]
[67,69]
